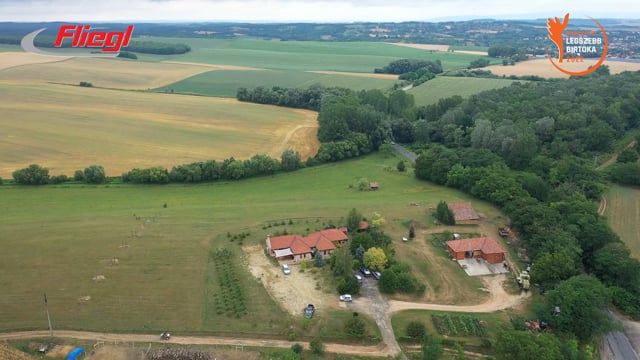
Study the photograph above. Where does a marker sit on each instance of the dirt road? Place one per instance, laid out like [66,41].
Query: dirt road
[498,300]
[371,303]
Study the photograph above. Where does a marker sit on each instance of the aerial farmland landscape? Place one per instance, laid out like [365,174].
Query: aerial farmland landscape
[319,180]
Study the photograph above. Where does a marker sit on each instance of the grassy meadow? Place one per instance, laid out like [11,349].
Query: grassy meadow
[446,86]
[623,213]
[303,55]
[225,83]
[67,128]
[57,238]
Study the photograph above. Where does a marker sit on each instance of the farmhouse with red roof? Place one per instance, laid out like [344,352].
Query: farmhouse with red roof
[483,247]
[297,248]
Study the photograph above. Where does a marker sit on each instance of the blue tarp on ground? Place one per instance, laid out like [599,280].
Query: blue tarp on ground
[75,353]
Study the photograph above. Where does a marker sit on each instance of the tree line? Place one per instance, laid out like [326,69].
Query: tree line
[414,71]
[529,149]
[229,169]
[350,123]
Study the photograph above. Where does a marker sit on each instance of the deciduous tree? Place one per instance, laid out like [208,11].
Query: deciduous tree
[375,259]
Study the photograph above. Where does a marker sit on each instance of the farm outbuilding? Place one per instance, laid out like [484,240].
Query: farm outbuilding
[463,213]
[484,247]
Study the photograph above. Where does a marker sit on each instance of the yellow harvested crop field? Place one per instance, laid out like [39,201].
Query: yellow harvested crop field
[543,68]
[66,128]
[11,59]
[107,73]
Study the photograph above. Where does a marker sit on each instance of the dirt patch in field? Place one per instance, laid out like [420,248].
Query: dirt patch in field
[543,68]
[11,59]
[294,291]
[365,75]
[471,52]
[435,47]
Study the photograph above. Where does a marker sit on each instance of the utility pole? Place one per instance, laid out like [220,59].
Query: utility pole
[46,306]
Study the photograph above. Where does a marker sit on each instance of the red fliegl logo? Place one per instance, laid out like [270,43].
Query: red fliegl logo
[83,37]
[109,41]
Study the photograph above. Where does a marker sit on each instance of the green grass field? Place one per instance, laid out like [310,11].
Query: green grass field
[225,83]
[303,55]
[446,86]
[57,238]
[67,128]
[623,213]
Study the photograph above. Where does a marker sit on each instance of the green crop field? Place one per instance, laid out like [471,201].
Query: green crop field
[55,239]
[445,86]
[304,55]
[67,128]
[225,83]
[623,213]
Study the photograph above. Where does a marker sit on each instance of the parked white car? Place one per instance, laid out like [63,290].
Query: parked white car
[346,297]
[285,269]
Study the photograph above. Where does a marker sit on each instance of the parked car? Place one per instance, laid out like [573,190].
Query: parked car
[165,335]
[285,269]
[346,298]
[358,277]
[377,275]
[309,311]
[365,271]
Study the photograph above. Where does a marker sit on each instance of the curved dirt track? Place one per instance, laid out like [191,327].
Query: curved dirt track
[498,300]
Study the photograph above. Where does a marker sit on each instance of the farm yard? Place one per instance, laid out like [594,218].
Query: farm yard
[121,130]
[623,213]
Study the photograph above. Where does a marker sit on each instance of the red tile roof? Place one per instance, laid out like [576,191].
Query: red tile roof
[485,244]
[321,240]
[463,211]
[363,225]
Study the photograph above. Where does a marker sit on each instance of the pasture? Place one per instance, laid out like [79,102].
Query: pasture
[445,86]
[107,73]
[225,83]
[67,128]
[56,239]
[543,68]
[623,214]
[303,55]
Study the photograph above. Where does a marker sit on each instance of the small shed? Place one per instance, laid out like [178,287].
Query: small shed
[373,186]
[75,353]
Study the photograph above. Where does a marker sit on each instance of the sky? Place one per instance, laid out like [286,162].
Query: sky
[308,10]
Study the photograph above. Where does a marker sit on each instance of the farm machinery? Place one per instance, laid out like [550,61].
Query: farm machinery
[524,280]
